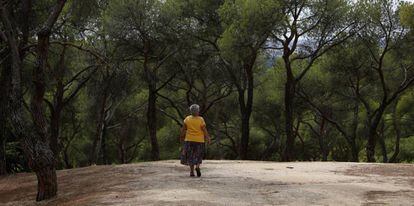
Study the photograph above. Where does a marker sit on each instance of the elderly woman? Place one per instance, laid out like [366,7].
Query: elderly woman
[194,133]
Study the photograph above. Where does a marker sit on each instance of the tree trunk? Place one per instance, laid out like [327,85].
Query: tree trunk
[121,153]
[3,162]
[397,129]
[246,109]
[323,149]
[66,159]
[382,143]
[353,138]
[372,134]
[245,130]
[3,138]
[55,131]
[46,183]
[151,107]
[5,86]
[354,151]
[105,159]
[44,166]
[123,134]
[322,142]
[35,146]
[289,113]
[370,148]
[152,123]
[93,158]
[383,149]
[57,107]
[271,147]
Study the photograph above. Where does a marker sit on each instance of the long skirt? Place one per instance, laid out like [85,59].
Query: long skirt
[192,153]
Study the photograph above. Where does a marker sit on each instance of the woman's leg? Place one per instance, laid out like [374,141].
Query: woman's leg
[200,155]
[198,170]
[191,170]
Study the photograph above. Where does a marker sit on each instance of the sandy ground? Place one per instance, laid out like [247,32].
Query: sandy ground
[223,183]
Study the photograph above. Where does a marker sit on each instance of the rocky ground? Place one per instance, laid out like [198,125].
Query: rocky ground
[223,183]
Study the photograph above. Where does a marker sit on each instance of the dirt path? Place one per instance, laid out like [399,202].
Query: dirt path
[223,183]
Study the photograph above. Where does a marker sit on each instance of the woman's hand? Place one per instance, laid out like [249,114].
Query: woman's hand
[206,135]
[208,139]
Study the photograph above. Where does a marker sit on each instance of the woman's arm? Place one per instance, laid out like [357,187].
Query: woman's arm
[182,132]
[206,135]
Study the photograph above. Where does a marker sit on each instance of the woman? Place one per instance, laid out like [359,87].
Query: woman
[194,133]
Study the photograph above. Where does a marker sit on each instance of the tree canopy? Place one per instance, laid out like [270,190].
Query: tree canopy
[86,82]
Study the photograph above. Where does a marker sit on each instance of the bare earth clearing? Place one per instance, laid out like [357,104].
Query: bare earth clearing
[223,183]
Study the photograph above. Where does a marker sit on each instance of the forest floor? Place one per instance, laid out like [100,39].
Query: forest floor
[223,183]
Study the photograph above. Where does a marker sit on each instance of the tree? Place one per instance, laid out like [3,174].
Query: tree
[66,91]
[342,74]
[247,26]
[309,29]
[39,155]
[383,37]
[268,107]
[6,72]
[149,42]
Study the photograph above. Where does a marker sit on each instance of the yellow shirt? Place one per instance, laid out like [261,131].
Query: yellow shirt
[194,126]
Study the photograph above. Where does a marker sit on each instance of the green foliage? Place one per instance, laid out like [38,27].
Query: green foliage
[407,14]
[407,153]
[247,24]
[196,51]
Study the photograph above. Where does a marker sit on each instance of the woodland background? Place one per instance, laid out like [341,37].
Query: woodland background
[109,81]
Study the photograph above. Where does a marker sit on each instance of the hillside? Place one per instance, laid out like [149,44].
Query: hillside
[222,183]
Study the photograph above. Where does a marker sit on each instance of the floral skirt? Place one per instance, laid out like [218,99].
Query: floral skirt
[192,153]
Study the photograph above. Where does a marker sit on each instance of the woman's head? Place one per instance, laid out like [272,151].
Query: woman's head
[195,109]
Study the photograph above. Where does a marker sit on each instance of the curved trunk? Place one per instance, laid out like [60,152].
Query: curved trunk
[35,146]
[45,162]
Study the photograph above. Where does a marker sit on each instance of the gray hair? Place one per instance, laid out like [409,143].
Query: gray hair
[194,108]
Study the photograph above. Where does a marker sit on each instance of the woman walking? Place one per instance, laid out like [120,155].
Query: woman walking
[194,133]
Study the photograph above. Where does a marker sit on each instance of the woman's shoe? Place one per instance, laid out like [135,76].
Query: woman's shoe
[198,172]
[191,174]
